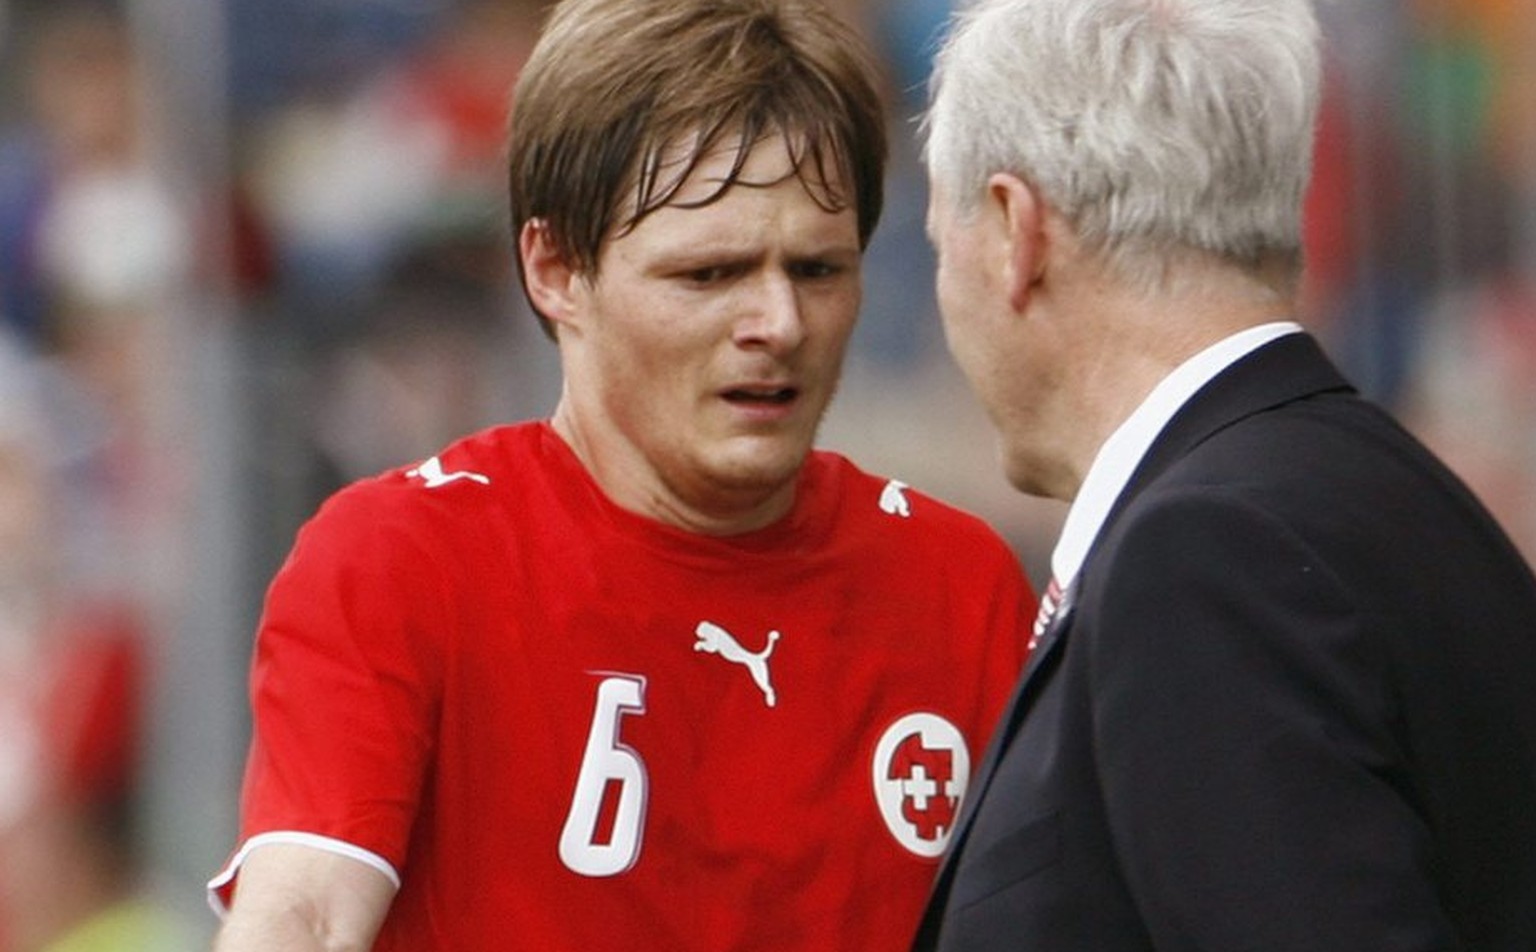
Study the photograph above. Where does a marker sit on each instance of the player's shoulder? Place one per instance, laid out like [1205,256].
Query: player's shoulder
[458,483]
[482,460]
[900,507]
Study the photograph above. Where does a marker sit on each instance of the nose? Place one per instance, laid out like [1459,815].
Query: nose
[773,319]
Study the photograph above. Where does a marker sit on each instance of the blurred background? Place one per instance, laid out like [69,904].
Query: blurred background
[253,249]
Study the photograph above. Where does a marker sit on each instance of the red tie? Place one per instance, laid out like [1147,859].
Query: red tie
[1049,602]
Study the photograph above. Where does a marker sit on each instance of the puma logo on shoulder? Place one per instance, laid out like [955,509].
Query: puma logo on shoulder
[716,640]
[893,499]
[431,473]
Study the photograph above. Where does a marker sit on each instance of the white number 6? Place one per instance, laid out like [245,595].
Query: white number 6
[607,761]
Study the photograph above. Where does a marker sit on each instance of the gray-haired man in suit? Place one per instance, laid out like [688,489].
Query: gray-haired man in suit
[1287,696]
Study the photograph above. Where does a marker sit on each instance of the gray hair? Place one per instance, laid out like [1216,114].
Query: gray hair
[1156,127]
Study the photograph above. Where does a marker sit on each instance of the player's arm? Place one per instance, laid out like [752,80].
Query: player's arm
[302,899]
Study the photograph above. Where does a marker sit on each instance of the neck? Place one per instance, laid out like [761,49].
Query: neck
[631,482]
[1125,341]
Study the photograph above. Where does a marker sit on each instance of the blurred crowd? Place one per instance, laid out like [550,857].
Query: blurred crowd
[314,186]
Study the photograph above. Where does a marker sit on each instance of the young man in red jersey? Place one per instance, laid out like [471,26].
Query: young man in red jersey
[654,674]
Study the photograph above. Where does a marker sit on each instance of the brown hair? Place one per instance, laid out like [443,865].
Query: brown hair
[615,87]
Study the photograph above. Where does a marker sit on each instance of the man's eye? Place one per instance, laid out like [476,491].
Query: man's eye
[816,269]
[713,274]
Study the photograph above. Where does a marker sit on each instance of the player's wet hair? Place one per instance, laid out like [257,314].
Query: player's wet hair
[622,99]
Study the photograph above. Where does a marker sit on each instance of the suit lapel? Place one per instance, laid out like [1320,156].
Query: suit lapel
[1052,642]
[1050,645]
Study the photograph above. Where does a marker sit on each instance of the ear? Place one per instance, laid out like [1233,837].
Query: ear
[550,279]
[1021,216]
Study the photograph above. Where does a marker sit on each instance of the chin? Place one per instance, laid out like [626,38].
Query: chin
[761,463]
[1022,472]
[1039,480]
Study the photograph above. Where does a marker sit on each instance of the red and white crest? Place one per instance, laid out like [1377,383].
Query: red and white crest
[921,766]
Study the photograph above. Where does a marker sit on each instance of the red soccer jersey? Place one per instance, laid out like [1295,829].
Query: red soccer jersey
[560,725]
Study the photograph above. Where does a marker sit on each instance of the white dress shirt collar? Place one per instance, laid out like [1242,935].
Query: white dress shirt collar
[1118,458]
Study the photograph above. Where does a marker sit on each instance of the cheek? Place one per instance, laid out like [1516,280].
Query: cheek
[644,338]
[952,284]
[954,308]
[838,316]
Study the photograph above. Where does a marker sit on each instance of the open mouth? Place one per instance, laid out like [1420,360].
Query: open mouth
[770,396]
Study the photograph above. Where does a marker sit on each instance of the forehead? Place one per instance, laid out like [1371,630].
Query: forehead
[726,192]
[690,173]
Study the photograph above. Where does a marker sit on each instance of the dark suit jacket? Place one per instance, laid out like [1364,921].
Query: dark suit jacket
[1291,705]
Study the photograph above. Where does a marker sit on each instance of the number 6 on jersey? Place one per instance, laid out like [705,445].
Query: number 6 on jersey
[605,764]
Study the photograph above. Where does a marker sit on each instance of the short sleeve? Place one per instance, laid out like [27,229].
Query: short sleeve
[346,682]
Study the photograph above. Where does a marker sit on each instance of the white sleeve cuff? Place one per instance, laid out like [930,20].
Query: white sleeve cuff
[220,886]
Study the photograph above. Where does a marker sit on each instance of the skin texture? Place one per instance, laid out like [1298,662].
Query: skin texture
[701,356]
[1057,350]
[306,900]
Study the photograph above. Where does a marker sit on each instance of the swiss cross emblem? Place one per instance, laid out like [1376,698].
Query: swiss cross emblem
[920,769]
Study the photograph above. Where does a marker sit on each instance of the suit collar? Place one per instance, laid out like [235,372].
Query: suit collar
[1120,454]
[1285,370]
